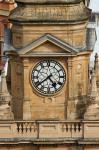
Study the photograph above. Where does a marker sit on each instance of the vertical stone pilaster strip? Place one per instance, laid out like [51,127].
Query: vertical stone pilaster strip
[70,82]
[26,99]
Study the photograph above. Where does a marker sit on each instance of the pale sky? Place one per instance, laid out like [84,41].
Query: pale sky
[94,5]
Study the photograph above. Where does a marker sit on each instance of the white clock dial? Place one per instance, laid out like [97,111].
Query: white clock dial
[48,77]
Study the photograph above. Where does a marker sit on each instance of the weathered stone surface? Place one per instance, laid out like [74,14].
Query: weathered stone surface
[5,100]
[92,112]
[50,13]
[50,129]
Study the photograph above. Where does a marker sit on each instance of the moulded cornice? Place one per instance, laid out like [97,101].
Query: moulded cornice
[50,13]
[48,1]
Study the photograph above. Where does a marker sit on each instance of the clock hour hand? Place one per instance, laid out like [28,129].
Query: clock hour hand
[55,83]
[39,83]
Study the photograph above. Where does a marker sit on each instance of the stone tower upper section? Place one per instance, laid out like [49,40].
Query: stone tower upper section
[62,11]
[64,19]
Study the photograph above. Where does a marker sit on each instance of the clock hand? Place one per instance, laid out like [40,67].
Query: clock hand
[53,83]
[38,83]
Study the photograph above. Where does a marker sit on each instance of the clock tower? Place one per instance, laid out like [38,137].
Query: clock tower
[48,75]
[50,100]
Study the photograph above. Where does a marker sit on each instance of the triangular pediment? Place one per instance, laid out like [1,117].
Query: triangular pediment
[47,45]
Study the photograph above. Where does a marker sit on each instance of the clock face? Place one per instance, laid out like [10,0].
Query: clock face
[48,77]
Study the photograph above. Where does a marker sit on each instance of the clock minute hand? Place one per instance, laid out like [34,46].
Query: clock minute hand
[38,83]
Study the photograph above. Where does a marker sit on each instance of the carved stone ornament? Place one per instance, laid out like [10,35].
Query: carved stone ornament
[5,100]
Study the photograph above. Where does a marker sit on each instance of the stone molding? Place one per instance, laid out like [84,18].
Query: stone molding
[43,132]
[48,1]
[50,13]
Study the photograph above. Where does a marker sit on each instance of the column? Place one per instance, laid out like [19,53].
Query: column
[26,100]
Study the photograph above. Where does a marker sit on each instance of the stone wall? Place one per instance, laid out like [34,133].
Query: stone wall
[47,147]
[75,35]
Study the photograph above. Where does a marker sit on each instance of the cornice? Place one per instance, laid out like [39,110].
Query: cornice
[50,13]
[48,1]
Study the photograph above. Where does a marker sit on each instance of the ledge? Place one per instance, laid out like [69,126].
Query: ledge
[49,132]
[48,1]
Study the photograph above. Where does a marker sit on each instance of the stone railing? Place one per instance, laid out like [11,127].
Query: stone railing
[48,130]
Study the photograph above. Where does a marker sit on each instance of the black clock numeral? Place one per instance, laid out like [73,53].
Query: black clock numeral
[48,63]
[48,89]
[54,85]
[60,83]
[42,66]
[34,77]
[36,70]
[42,88]
[60,70]
[61,76]
[37,83]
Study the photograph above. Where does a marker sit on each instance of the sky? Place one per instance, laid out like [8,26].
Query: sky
[94,5]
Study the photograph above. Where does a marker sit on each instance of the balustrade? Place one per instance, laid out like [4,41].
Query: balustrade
[26,129]
[49,130]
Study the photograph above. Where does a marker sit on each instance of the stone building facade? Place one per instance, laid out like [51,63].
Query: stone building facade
[5,7]
[49,100]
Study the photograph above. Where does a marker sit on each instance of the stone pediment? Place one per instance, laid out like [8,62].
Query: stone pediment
[48,45]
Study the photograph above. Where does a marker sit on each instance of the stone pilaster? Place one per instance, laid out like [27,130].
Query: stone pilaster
[71,108]
[26,100]
[70,78]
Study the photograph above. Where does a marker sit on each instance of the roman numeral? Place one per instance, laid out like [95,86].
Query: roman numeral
[60,83]
[61,76]
[48,63]
[37,83]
